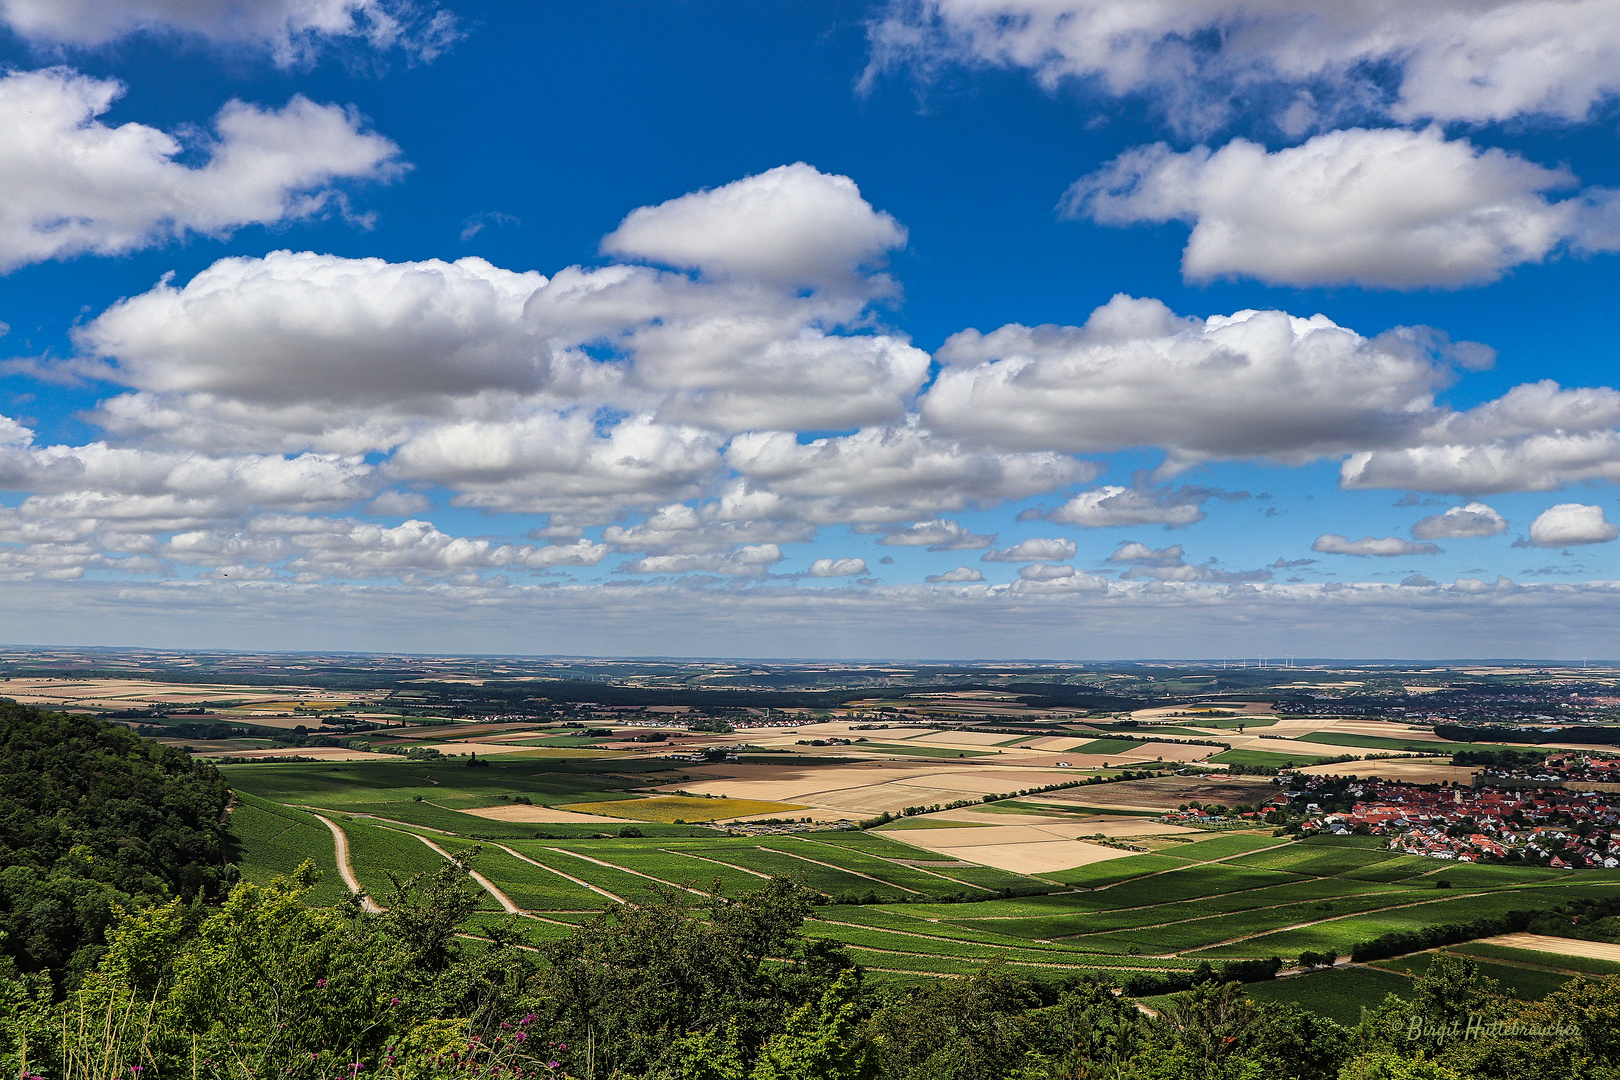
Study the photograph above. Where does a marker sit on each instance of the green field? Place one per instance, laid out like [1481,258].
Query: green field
[1108,746]
[276,840]
[1381,742]
[903,912]
[1528,983]
[1337,993]
[1267,758]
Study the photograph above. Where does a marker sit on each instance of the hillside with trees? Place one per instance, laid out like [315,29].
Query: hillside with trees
[94,821]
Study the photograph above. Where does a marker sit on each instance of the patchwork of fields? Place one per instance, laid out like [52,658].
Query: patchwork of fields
[904,912]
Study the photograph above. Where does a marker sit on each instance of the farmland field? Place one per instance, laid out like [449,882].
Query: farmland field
[905,912]
[673,808]
[1267,758]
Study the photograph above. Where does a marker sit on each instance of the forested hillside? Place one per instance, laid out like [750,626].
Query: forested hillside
[95,820]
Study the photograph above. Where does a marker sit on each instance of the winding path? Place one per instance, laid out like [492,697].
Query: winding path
[484,882]
[346,870]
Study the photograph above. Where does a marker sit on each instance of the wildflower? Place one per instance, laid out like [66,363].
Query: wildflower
[528,1019]
[321,983]
[518,1036]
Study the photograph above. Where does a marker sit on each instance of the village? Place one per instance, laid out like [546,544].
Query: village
[1548,826]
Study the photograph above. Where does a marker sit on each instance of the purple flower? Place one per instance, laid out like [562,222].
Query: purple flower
[320,982]
[528,1019]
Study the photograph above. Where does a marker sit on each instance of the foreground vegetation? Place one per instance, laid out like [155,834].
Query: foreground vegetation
[719,989]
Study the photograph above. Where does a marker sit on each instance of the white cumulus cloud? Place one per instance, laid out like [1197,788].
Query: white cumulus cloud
[837,567]
[1385,546]
[1045,572]
[290,30]
[792,225]
[1111,505]
[936,535]
[752,560]
[1035,549]
[1474,519]
[74,185]
[1252,384]
[1384,208]
[959,576]
[1569,524]
[1475,61]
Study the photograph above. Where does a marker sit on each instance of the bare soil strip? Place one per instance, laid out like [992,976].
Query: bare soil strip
[487,885]
[717,862]
[920,867]
[627,870]
[615,897]
[345,869]
[844,869]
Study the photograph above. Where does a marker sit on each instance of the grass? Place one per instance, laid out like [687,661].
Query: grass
[1384,742]
[275,841]
[1266,759]
[336,785]
[374,849]
[672,808]
[1107,746]
[1100,874]
[1220,847]
[1337,993]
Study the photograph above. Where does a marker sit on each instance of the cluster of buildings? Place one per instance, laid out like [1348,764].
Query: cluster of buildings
[1569,768]
[1552,827]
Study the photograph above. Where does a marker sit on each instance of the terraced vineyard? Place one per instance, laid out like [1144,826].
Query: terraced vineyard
[903,913]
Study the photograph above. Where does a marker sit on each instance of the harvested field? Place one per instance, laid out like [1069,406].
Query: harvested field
[670,808]
[1419,771]
[865,788]
[1591,950]
[1035,848]
[1168,792]
[519,812]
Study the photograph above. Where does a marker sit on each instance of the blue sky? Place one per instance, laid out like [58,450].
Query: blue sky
[766,315]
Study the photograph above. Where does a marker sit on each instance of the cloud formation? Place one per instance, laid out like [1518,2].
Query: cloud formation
[1111,506]
[1384,546]
[1570,525]
[960,576]
[1170,564]
[827,567]
[292,31]
[1252,384]
[1034,549]
[1385,208]
[75,185]
[1474,519]
[791,226]
[1473,61]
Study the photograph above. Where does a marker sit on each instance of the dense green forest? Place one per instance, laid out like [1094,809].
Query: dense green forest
[93,821]
[131,955]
